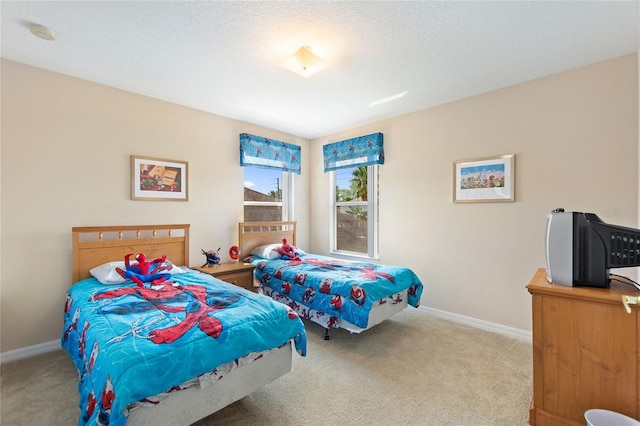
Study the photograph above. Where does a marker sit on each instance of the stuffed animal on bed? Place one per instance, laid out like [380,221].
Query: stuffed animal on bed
[145,271]
[287,251]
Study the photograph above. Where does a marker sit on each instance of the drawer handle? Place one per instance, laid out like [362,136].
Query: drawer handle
[629,300]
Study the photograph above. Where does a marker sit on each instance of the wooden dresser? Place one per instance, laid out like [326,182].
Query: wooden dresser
[586,352]
[240,274]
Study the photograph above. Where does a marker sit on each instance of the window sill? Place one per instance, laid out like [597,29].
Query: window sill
[352,256]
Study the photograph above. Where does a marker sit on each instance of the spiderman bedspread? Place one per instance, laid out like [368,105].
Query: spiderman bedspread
[129,342]
[342,289]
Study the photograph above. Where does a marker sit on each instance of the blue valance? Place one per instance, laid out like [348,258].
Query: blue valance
[360,151]
[269,153]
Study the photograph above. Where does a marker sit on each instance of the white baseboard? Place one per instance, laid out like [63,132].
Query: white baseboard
[515,333]
[29,351]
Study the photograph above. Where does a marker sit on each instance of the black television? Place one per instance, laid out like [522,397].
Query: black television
[581,249]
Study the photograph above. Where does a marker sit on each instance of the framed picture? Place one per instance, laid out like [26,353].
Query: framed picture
[481,180]
[158,179]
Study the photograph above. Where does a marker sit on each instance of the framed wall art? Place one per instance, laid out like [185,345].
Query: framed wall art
[158,179]
[482,180]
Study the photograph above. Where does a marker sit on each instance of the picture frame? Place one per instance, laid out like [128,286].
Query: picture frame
[159,179]
[484,180]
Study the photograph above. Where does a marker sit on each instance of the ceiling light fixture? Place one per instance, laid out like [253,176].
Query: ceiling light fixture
[304,62]
[42,32]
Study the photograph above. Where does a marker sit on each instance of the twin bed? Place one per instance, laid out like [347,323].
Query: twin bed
[175,351]
[328,291]
[172,352]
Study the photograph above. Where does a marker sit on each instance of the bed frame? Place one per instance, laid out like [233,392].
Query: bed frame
[95,245]
[255,234]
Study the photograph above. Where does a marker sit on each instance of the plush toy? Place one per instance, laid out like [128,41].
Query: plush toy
[288,252]
[213,257]
[145,271]
[234,253]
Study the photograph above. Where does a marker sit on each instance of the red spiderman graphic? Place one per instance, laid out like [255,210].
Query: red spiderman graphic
[83,339]
[107,395]
[325,286]
[103,404]
[171,298]
[358,295]
[264,279]
[308,295]
[92,403]
[93,356]
[370,273]
[73,326]
[333,322]
[278,273]
[336,302]
[300,278]
[413,290]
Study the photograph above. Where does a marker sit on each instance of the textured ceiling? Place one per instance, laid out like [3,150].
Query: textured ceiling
[223,57]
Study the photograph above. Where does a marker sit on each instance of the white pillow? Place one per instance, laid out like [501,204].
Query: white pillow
[106,273]
[268,251]
[178,270]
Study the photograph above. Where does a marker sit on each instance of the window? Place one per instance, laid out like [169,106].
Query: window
[267,195]
[355,211]
[268,177]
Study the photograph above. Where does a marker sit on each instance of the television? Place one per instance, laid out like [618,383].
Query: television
[581,249]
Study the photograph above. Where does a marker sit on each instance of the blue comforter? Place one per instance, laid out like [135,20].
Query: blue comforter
[131,342]
[342,289]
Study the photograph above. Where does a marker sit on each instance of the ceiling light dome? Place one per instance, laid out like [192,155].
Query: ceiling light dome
[304,62]
[42,32]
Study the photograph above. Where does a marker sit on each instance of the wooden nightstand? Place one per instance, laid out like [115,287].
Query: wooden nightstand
[240,274]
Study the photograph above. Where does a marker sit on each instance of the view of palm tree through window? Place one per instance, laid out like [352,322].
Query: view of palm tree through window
[351,209]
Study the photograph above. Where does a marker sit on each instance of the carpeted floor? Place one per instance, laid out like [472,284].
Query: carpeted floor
[413,369]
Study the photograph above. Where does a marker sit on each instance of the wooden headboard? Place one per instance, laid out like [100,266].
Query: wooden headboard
[255,234]
[95,245]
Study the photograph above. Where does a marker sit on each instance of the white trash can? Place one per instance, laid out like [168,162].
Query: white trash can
[599,417]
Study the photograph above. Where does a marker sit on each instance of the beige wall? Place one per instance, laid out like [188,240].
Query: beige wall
[65,162]
[575,136]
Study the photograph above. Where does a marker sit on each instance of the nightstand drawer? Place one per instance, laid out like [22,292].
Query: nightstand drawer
[240,274]
[241,279]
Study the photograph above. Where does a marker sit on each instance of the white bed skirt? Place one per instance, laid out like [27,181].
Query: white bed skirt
[377,314]
[195,403]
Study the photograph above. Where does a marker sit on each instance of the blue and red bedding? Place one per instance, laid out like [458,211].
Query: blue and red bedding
[129,342]
[326,289]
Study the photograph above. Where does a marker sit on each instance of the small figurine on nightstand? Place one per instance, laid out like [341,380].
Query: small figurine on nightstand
[234,254]
[213,257]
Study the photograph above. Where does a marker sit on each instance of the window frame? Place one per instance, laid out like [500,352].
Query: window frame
[372,215]
[287,201]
